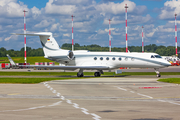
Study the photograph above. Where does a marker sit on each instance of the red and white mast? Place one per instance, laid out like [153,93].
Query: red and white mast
[126,27]
[72,34]
[109,36]
[25,36]
[142,41]
[176,34]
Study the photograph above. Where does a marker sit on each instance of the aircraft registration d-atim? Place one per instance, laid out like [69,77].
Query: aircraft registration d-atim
[86,60]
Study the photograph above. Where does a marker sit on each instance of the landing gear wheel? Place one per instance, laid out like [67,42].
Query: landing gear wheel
[158,75]
[80,75]
[157,72]
[97,74]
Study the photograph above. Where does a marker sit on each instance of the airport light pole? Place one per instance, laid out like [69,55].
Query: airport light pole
[126,27]
[176,34]
[142,41]
[109,36]
[25,60]
[72,34]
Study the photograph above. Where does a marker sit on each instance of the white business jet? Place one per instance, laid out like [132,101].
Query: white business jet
[85,60]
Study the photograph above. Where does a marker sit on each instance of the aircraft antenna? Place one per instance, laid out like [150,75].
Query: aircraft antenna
[126,27]
[72,34]
[109,36]
[176,33]
[25,60]
[142,41]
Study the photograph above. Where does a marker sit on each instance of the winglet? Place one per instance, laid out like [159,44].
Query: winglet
[11,61]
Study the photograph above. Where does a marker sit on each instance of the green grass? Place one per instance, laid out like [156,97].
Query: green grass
[67,73]
[44,73]
[171,80]
[6,73]
[29,80]
[30,60]
[71,75]
[52,74]
[150,73]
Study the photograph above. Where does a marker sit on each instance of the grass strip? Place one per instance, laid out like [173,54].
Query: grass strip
[29,80]
[44,73]
[5,73]
[170,80]
[37,73]
[31,60]
[49,73]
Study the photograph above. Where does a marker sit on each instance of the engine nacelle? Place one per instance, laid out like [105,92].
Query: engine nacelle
[70,55]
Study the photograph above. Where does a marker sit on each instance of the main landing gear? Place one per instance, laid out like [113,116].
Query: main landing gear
[96,74]
[157,72]
[80,73]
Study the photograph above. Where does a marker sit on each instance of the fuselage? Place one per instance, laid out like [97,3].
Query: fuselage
[83,59]
[111,59]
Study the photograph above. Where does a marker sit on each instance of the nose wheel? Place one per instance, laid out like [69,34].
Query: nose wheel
[158,75]
[157,72]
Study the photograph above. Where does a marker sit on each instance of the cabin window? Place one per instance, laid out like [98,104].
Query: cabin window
[132,59]
[95,58]
[101,58]
[107,58]
[126,58]
[113,58]
[119,59]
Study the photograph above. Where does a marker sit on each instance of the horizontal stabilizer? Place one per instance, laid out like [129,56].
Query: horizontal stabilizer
[34,34]
[47,41]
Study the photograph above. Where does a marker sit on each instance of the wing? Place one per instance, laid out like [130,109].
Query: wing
[62,67]
[68,67]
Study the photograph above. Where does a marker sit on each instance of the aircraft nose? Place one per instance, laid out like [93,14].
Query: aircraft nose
[167,64]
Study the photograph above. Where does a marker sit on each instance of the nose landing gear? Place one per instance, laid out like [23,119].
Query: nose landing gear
[157,72]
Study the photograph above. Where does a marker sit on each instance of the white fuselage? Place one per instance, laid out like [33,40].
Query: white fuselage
[85,60]
[110,59]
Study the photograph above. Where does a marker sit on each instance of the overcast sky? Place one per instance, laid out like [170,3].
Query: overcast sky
[90,22]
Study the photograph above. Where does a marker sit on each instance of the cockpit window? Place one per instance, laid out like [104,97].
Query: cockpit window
[152,56]
[157,56]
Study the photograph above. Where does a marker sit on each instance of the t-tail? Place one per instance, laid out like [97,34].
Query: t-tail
[47,40]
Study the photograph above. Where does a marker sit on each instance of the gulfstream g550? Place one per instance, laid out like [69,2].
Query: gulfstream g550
[85,60]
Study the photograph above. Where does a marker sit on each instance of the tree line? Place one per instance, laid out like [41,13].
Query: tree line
[161,50]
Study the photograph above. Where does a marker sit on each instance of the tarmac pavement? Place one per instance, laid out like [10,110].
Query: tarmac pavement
[119,98]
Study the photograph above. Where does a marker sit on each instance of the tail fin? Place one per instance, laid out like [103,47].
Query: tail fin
[47,40]
[11,61]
